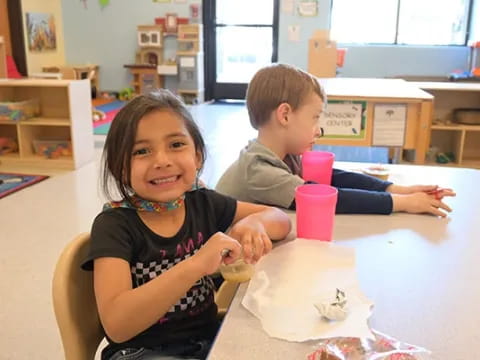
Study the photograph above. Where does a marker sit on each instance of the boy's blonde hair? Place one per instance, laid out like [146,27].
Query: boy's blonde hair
[276,84]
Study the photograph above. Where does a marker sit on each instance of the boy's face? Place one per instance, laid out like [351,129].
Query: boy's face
[304,125]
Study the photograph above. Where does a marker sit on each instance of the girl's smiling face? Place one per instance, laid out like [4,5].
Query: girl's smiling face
[164,162]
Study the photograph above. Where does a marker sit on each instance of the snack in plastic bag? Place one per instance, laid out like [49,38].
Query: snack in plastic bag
[382,348]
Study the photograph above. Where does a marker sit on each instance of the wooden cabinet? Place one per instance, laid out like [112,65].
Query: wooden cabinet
[448,136]
[373,92]
[65,116]
[3,59]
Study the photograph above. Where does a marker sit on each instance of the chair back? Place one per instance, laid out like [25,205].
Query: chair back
[74,302]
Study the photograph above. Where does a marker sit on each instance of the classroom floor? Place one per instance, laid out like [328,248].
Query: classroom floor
[37,222]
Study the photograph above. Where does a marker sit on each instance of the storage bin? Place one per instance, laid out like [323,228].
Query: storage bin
[467,116]
[52,149]
[19,110]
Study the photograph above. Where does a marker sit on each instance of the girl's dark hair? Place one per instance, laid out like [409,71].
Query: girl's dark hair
[117,152]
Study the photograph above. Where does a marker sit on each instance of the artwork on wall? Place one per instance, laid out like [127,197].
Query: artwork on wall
[161,1]
[41,32]
[308,8]
[195,13]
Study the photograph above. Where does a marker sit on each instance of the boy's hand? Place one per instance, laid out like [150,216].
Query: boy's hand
[219,248]
[251,233]
[438,192]
[420,202]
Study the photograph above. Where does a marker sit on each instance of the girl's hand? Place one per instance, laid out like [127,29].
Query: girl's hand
[420,202]
[219,248]
[251,234]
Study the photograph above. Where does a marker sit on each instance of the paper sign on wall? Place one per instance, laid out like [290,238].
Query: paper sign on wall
[288,6]
[293,32]
[187,62]
[344,120]
[389,124]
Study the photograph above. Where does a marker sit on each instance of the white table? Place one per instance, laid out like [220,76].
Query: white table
[422,272]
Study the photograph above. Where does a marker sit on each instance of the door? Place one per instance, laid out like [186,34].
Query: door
[240,38]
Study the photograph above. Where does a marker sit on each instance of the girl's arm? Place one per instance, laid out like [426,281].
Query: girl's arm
[255,225]
[125,312]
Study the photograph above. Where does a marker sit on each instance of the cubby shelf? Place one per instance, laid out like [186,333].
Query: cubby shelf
[65,115]
[447,135]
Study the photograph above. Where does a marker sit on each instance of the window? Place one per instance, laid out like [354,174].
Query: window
[409,22]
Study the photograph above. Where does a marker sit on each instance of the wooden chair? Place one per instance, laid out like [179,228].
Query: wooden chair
[75,307]
[74,303]
[224,296]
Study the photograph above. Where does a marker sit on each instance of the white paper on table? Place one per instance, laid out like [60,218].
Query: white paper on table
[295,276]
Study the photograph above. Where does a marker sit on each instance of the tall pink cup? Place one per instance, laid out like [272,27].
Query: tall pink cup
[317,166]
[315,211]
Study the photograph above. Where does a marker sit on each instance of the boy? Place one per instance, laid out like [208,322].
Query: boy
[284,104]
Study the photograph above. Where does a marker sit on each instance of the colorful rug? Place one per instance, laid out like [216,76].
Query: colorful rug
[110,109]
[9,183]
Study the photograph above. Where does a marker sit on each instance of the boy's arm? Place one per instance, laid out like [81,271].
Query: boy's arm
[353,180]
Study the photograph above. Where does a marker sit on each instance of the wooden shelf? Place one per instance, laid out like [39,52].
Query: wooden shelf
[474,163]
[8,122]
[11,156]
[447,136]
[66,113]
[45,122]
[448,86]
[38,161]
[456,127]
[450,164]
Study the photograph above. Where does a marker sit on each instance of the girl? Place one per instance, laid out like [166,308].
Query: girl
[152,253]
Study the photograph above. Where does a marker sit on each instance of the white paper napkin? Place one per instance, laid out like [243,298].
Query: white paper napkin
[295,276]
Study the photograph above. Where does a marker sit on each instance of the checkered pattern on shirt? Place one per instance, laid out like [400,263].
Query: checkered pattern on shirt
[144,272]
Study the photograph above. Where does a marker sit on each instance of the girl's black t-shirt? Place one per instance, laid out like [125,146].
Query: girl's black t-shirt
[120,233]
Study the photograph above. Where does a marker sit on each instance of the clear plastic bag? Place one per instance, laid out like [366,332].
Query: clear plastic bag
[382,348]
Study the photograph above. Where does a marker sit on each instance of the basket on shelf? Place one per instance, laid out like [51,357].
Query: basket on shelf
[52,149]
[19,110]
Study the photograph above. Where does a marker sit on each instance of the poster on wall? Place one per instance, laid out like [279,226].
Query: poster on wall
[344,120]
[41,32]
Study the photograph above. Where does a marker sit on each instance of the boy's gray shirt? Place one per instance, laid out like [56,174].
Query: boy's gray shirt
[260,176]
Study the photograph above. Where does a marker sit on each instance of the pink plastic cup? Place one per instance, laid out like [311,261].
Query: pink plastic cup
[317,166]
[315,211]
